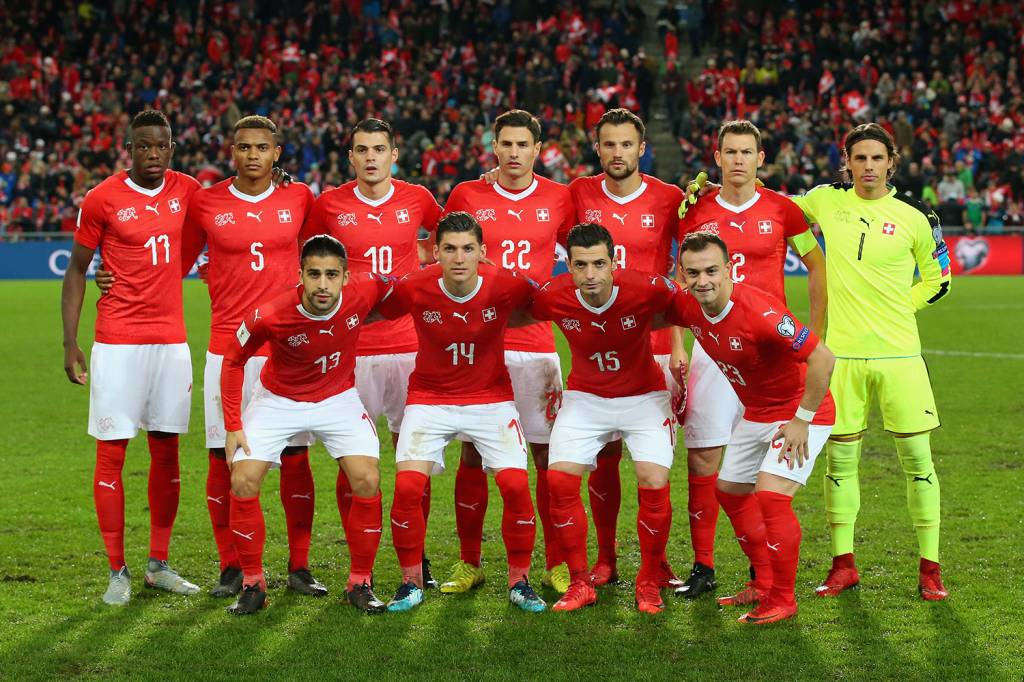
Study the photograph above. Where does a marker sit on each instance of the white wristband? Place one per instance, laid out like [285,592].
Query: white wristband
[805,414]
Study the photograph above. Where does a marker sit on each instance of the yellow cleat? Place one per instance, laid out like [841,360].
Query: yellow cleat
[557,578]
[464,578]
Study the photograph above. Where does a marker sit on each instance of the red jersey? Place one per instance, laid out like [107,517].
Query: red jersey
[642,224]
[253,244]
[520,233]
[312,357]
[138,232]
[380,236]
[461,359]
[760,347]
[611,345]
[755,233]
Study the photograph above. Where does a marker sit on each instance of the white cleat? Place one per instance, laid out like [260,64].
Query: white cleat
[119,591]
[162,577]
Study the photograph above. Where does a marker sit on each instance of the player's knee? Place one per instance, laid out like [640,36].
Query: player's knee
[703,461]
[651,478]
[244,483]
[365,483]
[409,486]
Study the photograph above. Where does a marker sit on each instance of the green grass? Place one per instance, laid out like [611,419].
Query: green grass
[52,570]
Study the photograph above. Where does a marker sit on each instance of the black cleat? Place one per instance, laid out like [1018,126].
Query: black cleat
[362,597]
[429,582]
[252,599]
[230,583]
[701,581]
[303,582]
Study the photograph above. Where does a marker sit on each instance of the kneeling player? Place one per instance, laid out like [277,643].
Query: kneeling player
[780,373]
[615,387]
[461,387]
[308,385]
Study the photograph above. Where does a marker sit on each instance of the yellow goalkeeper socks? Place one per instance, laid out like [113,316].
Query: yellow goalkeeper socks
[842,493]
[915,455]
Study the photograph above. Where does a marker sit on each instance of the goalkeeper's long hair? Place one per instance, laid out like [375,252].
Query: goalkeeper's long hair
[869,131]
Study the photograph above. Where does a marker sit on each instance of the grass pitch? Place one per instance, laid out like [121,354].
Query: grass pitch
[52,569]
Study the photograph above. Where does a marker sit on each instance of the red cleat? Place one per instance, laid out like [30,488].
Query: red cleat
[768,613]
[748,595]
[929,584]
[603,573]
[579,594]
[648,597]
[842,576]
[667,577]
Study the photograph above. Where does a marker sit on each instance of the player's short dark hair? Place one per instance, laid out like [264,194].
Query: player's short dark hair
[459,221]
[374,125]
[620,116]
[149,117]
[586,235]
[324,245]
[698,241]
[517,118]
[869,131]
[257,122]
[739,127]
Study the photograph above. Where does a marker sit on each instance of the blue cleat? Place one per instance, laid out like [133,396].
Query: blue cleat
[408,597]
[523,596]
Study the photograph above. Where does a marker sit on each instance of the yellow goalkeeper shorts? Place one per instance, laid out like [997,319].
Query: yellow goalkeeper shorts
[903,388]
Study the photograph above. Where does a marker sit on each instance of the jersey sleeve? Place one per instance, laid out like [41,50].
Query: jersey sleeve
[661,292]
[570,219]
[249,338]
[92,221]
[193,238]
[810,203]
[796,229]
[932,257]
[678,311]
[456,200]
[432,211]
[785,331]
[519,290]
[542,307]
[316,219]
[307,231]
[376,287]
[394,302]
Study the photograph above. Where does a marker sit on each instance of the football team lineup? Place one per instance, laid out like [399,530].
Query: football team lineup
[450,338]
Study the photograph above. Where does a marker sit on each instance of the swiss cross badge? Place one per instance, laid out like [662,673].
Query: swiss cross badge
[352,321]
[489,314]
[647,220]
[284,215]
[543,215]
[402,215]
[174,205]
[764,226]
[628,322]
[734,343]
[888,228]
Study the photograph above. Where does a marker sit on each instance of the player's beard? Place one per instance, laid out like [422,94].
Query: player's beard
[622,174]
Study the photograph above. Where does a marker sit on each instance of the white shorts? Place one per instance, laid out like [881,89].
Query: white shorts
[587,422]
[383,383]
[213,411]
[139,386]
[537,385]
[493,428]
[340,422]
[712,408]
[750,451]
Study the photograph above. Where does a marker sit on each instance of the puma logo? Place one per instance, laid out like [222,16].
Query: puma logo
[742,538]
[462,316]
[153,208]
[715,337]
[247,536]
[375,218]
[866,222]
[927,479]
[217,500]
[770,311]
[929,412]
[373,530]
[563,525]
[646,527]
[738,226]
[254,216]
[833,479]
[603,497]
[112,485]
[471,507]
[529,522]
[775,547]
[696,514]
[518,214]
[621,218]
[599,325]
[396,524]
[303,496]
[176,480]
[329,331]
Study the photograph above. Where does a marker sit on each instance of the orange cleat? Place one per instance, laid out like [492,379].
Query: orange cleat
[648,597]
[746,596]
[842,576]
[580,593]
[768,613]
[929,584]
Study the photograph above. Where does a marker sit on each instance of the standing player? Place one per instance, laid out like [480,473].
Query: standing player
[142,367]
[461,386]
[251,229]
[307,385]
[378,219]
[780,372]
[615,387]
[875,237]
[756,224]
[640,212]
[524,216]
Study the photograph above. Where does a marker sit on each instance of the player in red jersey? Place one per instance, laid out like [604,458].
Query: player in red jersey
[524,217]
[780,372]
[461,386]
[379,219]
[756,224]
[142,369]
[306,385]
[616,388]
[640,213]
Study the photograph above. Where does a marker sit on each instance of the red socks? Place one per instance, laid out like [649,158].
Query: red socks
[569,520]
[702,506]
[653,521]
[745,514]
[297,497]
[470,508]
[343,493]
[552,557]
[108,494]
[164,491]
[783,543]
[250,533]
[363,532]
[218,502]
[408,527]
[605,490]
[518,522]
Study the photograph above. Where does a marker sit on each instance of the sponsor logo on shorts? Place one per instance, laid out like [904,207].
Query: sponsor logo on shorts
[105,424]
[801,338]
[786,328]
[298,340]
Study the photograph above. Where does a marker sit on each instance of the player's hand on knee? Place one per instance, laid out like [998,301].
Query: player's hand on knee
[104,279]
[791,442]
[233,441]
[74,365]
